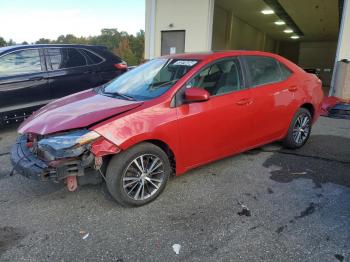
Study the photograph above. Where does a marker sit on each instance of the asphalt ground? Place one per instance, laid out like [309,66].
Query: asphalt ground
[268,204]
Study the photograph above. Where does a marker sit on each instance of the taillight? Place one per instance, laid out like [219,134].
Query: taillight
[121,66]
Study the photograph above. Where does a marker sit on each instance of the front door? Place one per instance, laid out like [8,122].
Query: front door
[23,80]
[220,126]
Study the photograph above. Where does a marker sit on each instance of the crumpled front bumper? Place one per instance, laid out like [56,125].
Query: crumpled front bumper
[86,162]
[26,163]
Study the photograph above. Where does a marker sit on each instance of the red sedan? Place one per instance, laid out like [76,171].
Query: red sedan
[167,116]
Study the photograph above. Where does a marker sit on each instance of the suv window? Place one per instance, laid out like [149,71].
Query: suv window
[20,62]
[219,78]
[263,70]
[65,58]
[94,59]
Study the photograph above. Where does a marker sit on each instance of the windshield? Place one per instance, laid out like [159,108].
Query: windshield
[149,80]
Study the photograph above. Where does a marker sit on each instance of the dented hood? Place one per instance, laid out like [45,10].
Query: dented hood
[75,111]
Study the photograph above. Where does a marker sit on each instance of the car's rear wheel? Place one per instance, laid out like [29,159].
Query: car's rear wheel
[137,176]
[299,130]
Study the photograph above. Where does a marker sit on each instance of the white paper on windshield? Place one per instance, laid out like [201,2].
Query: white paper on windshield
[185,63]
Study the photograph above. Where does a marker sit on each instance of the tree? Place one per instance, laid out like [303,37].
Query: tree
[11,42]
[43,41]
[110,37]
[2,42]
[129,47]
[125,52]
[137,45]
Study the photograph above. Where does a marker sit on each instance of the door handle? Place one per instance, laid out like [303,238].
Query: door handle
[293,88]
[244,101]
[36,78]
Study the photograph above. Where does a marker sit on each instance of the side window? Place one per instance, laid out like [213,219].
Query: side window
[219,78]
[20,63]
[263,70]
[65,58]
[285,72]
[95,59]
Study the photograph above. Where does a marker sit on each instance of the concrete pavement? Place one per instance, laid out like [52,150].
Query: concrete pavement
[299,203]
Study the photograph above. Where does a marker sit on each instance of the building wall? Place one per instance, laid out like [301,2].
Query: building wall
[230,32]
[344,42]
[195,17]
[317,54]
[289,50]
[341,79]
[148,34]
[220,28]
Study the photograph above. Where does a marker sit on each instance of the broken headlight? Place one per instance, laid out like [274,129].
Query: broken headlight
[70,144]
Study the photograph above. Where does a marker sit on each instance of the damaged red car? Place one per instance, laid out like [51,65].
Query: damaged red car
[165,117]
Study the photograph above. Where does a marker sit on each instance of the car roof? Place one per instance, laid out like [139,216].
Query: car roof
[218,54]
[207,57]
[15,47]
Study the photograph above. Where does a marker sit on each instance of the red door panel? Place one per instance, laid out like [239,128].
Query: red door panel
[274,105]
[216,128]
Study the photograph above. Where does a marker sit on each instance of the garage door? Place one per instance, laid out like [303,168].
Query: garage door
[173,42]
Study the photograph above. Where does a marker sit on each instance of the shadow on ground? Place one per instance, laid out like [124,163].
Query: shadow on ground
[313,161]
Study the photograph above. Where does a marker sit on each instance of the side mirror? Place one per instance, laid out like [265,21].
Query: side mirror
[196,94]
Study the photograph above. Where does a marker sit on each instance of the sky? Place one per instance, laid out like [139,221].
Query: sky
[30,20]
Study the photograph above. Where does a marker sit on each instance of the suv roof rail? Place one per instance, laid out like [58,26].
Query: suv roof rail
[101,47]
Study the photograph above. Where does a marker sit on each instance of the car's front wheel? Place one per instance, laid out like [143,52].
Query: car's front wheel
[299,130]
[138,175]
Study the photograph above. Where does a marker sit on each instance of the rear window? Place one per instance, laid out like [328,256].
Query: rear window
[94,59]
[263,70]
[65,58]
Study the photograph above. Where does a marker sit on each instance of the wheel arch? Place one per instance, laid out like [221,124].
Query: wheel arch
[169,151]
[166,148]
[310,108]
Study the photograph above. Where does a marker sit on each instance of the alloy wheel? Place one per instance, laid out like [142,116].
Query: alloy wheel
[143,177]
[301,128]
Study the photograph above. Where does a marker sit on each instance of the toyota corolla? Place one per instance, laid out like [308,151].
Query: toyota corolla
[165,117]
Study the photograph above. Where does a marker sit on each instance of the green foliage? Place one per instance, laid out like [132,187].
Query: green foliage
[43,41]
[125,52]
[2,42]
[129,47]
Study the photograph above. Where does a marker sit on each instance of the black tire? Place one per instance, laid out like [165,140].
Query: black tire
[123,167]
[291,141]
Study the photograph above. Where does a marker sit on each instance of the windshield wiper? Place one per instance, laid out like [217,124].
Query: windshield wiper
[130,98]
[157,85]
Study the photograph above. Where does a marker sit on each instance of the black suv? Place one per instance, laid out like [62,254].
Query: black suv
[33,75]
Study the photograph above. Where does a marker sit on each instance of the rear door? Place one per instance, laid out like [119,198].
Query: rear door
[23,79]
[220,126]
[69,71]
[107,65]
[272,85]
